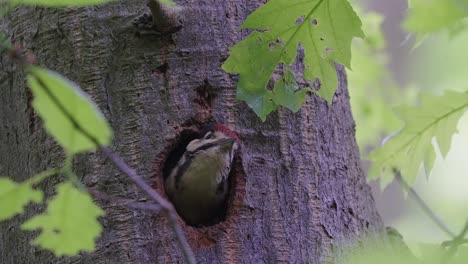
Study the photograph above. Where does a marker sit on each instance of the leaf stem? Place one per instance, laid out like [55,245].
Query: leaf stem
[455,243]
[42,176]
[429,212]
[67,170]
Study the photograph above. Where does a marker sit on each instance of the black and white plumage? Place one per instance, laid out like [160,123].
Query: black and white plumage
[198,184]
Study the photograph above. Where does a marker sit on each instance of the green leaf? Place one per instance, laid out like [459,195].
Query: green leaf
[15,196]
[286,92]
[437,117]
[58,100]
[425,16]
[60,3]
[263,105]
[169,3]
[323,28]
[70,223]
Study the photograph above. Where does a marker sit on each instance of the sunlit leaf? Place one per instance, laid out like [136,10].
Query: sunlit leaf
[436,118]
[70,224]
[15,196]
[280,27]
[58,100]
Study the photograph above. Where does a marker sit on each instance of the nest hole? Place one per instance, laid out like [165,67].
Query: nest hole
[166,162]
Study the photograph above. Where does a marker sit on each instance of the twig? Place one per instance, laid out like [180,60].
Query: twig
[165,206]
[449,243]
[42,176]
[437,220]
[455,243]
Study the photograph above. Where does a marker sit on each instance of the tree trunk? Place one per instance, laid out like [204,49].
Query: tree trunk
[298,193]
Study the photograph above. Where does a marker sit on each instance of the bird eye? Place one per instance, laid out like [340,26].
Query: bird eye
[209,135]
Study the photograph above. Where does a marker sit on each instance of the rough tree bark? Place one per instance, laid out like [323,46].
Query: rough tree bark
[300,193]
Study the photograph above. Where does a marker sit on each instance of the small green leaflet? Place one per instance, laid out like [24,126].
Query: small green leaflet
[70,223]
[437,117]
[15,196]
[324,28]
[169,3]
[60,3]
[425,16]
[53,94]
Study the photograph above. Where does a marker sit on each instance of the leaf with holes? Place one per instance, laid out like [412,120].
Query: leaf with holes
[69,114]
[60,3]
[287,93]
[15,196]
[323,28]
[70,223]
[407,151]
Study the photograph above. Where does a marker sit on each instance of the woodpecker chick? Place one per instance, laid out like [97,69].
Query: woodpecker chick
[198,184]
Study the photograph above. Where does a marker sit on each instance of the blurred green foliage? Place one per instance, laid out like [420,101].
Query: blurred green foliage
[372,88]
[436,118]
[428,16]
[428,254]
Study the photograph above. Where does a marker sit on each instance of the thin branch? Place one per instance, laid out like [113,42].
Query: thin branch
[454,244]
[429,212]
[165,205]
[42,176]
[449,243]
[123,167]
[68,172]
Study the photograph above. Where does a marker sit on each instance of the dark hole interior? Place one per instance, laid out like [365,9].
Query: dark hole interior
[178,150]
